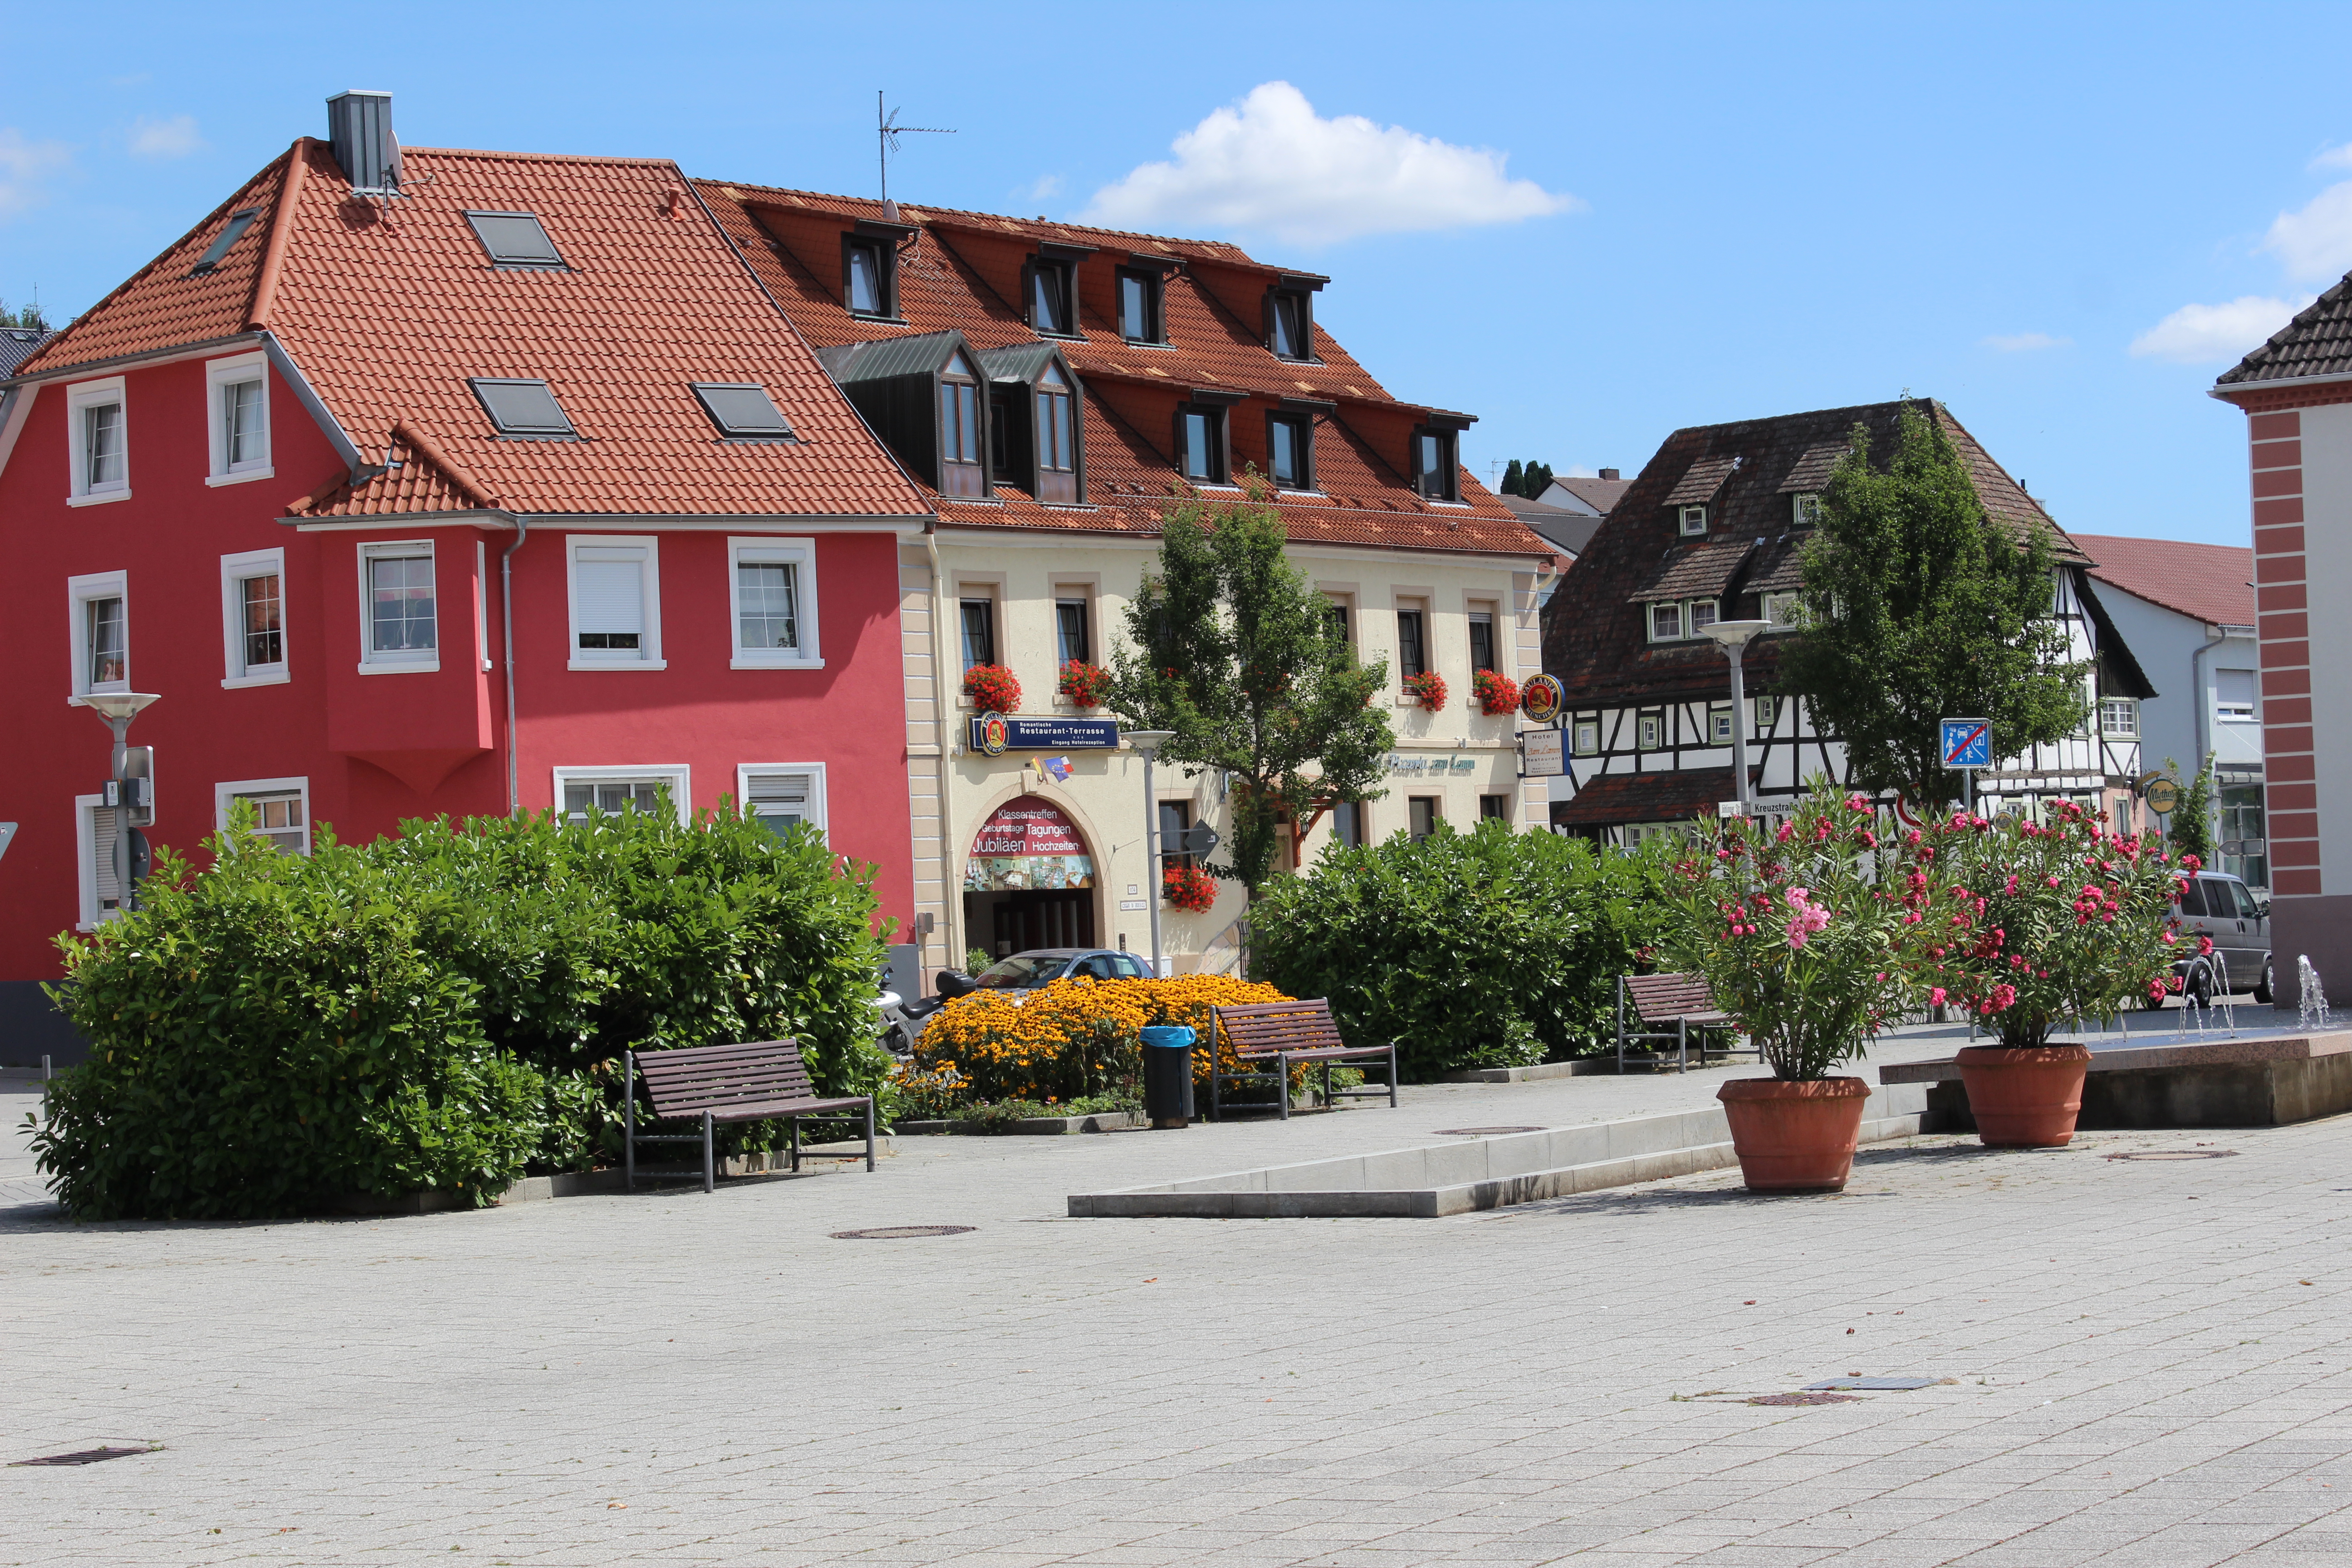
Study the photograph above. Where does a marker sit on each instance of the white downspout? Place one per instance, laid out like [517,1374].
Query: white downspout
[506,628]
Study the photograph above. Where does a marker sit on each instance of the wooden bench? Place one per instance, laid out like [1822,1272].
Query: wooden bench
[1286,1033]
[757,1082]
[1683,1000]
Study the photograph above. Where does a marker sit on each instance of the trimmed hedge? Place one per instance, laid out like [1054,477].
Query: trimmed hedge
[446,1009]
[1492,948]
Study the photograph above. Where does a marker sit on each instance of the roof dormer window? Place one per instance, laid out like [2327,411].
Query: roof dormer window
[1057,446]
[1434,465]
[864,261]
[515,240]
[1290,319]
[1805,510]
[1140,317]
[1693,521]
[961,448]
[1049,297]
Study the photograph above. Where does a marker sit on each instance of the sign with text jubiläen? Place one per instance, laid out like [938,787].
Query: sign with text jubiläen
[1025,844]
[995,735]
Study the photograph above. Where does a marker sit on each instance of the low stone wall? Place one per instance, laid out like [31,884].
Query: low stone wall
[2262,1081]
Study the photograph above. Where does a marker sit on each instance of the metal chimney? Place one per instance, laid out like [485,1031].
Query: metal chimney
[358,129]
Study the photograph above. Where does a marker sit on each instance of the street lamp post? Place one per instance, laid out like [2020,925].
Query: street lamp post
[1146,745]
[118,709]
[1733,636]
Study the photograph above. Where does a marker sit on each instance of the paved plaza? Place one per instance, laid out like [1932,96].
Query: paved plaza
[2150,1365]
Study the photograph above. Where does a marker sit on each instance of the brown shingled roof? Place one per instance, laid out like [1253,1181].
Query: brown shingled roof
[1595,639]
[2319,341]
[1609,799]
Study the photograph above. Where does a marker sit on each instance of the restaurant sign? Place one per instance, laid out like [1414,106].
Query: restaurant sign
[1429,767]
[994,735]
[1027,842]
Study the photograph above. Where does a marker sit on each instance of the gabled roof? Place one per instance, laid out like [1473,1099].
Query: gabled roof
[2210,583]
[1607,799]
[1600,494]
[1571,531]
[961,271]
[2319,341]
[1595,639]
[388,311]
[19,344]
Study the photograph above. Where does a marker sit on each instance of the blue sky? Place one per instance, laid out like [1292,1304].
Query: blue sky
[1586,224]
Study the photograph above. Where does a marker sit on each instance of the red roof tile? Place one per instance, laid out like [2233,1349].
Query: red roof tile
[962,273]
[389,311]
[2213,582]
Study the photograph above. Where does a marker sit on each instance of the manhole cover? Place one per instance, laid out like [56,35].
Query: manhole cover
[1481,1132]
[81,1456]
[1878,1383]
[1804,1399]
[898,1232]
[2177,1154]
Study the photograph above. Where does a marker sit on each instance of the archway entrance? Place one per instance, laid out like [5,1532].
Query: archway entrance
[1029,880]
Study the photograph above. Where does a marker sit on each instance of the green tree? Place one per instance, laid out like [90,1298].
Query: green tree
[2190,828]
[1535,480]
[1922,607]
[30,316]
[1511,479]
[1238,656]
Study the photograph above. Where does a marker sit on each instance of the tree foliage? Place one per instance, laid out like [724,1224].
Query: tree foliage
[1921,608]
[1238,656]
[2190,828]
[1535,479]
[1512,481]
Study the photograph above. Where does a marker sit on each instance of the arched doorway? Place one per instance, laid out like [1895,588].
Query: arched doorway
[1029,880]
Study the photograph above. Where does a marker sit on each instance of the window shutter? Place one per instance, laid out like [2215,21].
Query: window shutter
[610,589]
[777,801]
[101,838]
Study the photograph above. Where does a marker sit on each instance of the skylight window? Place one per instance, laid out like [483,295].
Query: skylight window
[232,231]
[514,239]
[522,408]
[743,411]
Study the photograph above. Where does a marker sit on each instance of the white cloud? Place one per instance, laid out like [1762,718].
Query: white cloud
[173,138]
[2025,342]
[1271,164]
[2200,335]
[23,164]
[2334,158]
[1042,189]
[2317,241]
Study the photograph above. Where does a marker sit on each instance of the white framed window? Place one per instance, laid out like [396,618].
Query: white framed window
[97,620]
[1651,728]
[1767,714]
[1666,623]
[253,618]
[617,789]
[1805,509]
[1693,521]
[98,440]
[1719,724]
[615,601]
[400,616]
[771,604]
[281,809]
[1785,609]
[237,404]
[1699,615]
[1584,737]
[2233,696]
[780,794]
[100,887]
[2118,716]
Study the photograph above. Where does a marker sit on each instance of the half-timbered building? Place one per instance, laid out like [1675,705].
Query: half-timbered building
[1713,530]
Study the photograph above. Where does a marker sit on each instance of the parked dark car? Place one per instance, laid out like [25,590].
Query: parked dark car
[1027,970]
[2214,904]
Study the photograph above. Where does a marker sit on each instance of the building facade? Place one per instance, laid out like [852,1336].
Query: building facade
[1052,391]
[417,482]
[2187,610]
[2297,392]
[1712,530]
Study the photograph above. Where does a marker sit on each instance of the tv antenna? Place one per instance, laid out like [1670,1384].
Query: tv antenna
[887,132]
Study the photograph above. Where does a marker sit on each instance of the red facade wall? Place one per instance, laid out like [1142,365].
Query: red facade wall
[377,748]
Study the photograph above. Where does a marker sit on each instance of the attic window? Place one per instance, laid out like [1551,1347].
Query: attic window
[742,410]
[1693,521]
[1140,318]
[1805,510]
[522,408]
[869,277]
[232,231]
[1434,464]
[514,239]
[1049,298]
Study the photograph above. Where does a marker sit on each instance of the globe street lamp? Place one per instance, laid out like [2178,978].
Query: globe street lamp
[1146,745]
[1733,636]
[118,709]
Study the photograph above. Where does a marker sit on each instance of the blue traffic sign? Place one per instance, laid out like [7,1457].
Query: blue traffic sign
[1967,742]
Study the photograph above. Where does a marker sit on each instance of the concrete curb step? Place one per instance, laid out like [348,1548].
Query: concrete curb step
[1442,1179]
[817,1159]
[1032,1126]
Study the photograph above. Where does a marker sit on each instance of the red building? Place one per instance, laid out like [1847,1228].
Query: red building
[425,481]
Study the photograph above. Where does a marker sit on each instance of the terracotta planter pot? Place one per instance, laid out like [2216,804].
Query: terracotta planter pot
[1794,1136]
[2025,1099]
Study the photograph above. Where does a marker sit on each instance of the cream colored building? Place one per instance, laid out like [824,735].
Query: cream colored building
[1456,766]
